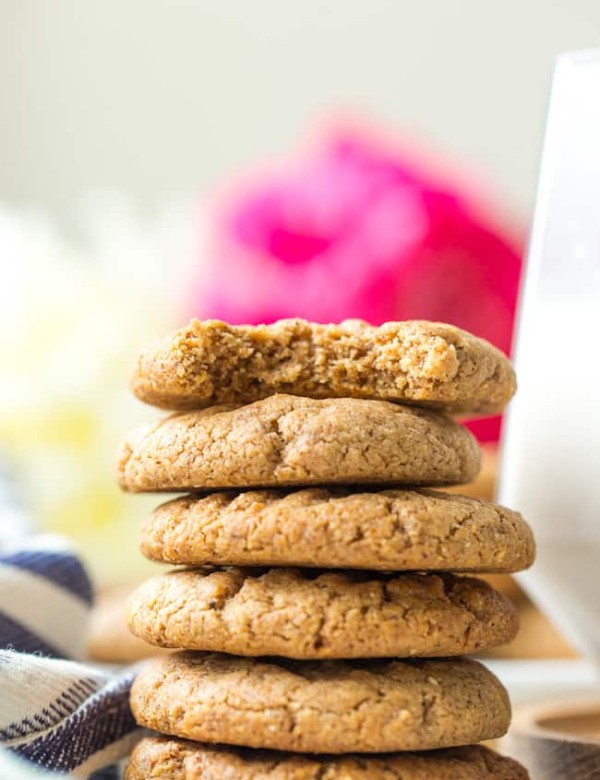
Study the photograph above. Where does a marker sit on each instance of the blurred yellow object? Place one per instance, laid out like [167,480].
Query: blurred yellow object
[70,325]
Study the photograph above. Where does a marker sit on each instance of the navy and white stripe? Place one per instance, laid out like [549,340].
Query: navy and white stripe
[45,599]
[12,768]
[65,716]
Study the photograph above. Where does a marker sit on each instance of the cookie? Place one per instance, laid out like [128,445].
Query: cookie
[294,613]
[287,440]
[321,707]
[157,758]
[390,530]
[425,363]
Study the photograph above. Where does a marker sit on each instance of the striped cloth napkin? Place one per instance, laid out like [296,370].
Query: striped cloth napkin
[55,712]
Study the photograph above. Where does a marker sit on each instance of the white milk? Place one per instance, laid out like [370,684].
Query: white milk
[551,462]
[551,445]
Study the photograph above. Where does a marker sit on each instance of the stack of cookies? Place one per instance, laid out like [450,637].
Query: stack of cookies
[321,621]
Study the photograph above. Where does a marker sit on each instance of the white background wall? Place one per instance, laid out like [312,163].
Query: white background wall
[164,97]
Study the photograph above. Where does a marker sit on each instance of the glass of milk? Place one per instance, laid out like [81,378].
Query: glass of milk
[551,444]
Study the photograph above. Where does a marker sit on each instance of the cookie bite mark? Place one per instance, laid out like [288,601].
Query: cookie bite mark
[426,363]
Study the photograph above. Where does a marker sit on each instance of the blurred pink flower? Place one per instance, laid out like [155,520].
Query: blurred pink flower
[356,229]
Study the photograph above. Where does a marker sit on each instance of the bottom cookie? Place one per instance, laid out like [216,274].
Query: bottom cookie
[172,759]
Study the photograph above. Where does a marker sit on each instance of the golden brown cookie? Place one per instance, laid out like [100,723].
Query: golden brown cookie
[426,363]
[391,530]
[321,707]
[294,613]
[287,440]
[157,758]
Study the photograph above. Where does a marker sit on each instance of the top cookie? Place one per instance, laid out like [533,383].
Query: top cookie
[288,440]
[424,363]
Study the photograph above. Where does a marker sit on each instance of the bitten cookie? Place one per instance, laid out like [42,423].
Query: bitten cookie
[295,614]
[426,363]
[287,440]
[391,530]
[324,707]
[172,759]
